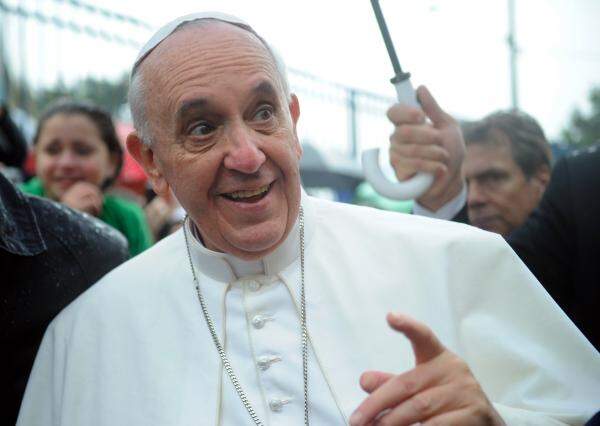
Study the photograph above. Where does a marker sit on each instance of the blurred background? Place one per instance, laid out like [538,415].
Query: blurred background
[541,56]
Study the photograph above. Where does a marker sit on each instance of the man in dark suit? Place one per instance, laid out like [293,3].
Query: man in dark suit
[49,254]
[558,242]
[505,166]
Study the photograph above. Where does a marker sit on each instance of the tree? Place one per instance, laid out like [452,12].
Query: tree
[584,130]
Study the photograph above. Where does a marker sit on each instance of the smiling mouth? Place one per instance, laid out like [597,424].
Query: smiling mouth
[249,196]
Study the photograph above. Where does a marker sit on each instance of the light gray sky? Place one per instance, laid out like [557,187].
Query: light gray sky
[456,47]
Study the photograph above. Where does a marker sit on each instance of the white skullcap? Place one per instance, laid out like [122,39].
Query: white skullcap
[169,28]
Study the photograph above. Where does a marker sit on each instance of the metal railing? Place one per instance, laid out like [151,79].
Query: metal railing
[337,119]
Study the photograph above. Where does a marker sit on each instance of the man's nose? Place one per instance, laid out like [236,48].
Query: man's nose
[476,195]
[244,155]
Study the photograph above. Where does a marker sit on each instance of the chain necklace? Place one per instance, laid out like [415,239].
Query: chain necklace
[225,360]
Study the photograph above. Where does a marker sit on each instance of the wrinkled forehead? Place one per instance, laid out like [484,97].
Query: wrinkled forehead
[205,40]
[182,22]
[202,54]
[482,158]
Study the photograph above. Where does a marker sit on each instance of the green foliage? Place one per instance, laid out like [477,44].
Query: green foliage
[110,95]
[584,130]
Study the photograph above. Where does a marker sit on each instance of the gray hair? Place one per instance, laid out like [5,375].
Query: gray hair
[137,89]
[528,144]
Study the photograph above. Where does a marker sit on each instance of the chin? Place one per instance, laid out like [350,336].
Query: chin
[257,246]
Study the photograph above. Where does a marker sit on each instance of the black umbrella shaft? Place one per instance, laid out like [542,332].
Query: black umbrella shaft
[386,38]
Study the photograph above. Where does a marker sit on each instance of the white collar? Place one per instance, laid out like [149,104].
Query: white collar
[447,211]
[226,268]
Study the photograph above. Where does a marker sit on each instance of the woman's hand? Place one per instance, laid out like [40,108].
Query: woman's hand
[85,197]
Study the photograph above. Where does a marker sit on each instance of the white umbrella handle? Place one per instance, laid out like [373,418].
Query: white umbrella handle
[406,190]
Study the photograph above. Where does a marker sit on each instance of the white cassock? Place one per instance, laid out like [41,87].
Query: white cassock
[135,348]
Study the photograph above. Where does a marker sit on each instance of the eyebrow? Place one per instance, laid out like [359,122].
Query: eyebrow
[190,106]
[265,88]
[193,106]
[491,172]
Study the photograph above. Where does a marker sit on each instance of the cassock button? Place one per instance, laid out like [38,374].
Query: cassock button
[276,404]
[264,362]
[259,321]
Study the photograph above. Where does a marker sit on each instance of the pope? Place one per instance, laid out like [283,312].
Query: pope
[268,306]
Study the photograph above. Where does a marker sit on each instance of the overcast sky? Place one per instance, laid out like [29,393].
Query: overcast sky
[456,47]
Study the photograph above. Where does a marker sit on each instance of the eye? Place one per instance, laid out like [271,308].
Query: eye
[492,178]
[264,113]
[52,149]
[83,150]
[202,129]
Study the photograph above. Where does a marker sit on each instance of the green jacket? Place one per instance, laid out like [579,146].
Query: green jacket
[123,215]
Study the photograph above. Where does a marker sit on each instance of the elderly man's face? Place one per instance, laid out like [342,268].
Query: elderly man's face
[500,197]
[224,137]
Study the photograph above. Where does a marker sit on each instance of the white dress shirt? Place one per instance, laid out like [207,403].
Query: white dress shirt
[263,341]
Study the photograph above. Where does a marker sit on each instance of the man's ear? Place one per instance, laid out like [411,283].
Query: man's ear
[144,155]
[542,177]
[294,106]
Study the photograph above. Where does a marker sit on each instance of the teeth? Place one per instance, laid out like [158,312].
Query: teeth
[237,195]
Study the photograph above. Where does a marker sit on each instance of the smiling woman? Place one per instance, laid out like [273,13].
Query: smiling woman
[78,156]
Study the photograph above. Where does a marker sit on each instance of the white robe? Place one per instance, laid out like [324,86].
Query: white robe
[135,349]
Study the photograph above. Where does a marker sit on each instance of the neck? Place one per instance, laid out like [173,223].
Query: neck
[217,264]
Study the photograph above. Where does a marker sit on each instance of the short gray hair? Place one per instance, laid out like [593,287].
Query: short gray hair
[528,144]
[137,90]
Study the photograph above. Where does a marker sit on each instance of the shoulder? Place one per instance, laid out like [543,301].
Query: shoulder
[97,247]
[574,183]
[581,164]
[141,273]
[137,287]
[385,237]
[381,224]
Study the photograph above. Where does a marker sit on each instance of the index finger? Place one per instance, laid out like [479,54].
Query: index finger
[426,345]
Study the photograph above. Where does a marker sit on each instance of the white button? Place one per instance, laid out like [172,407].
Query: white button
[276,404]
[264,362]
[259,320]
[254,285]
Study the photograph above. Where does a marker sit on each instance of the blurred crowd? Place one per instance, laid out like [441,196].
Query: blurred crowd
[77,158]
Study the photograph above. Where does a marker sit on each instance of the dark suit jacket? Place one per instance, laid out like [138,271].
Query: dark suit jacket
[560,241]
[49,254]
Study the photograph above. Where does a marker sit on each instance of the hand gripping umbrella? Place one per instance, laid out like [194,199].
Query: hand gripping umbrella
[420,183]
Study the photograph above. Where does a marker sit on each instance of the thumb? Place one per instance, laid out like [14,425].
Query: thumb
[431,108]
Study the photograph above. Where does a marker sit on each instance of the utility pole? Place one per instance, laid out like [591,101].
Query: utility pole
[3,64]
[513,52]
[352,117]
